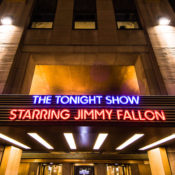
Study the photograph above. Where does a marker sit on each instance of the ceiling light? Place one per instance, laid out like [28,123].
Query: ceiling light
[100,139]
[40,140]
[166,139]
[6,20]
[164,21]
[2,136]
[70,140]
[130,141]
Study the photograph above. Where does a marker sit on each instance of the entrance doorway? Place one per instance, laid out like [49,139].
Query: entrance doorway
[119,169]
[50,169]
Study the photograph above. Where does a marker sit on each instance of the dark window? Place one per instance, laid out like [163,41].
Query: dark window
[43,14]
[84,16]
[126,14]
[172,2]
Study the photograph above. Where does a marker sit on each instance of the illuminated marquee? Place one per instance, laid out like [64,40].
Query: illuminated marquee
[87,108]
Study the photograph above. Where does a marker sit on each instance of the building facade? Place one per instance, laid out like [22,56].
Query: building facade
[73,47]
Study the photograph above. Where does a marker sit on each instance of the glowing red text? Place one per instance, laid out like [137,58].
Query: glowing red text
[87,114]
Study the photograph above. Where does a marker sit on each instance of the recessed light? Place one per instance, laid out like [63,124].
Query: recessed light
[130,141]
[4,137]
[100,139]
[166,139]
[40,140]
[6,20]
[70,140]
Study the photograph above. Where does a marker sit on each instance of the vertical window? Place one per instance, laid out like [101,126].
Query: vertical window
[43,14]
[84,15]
[126,14]
[172,2]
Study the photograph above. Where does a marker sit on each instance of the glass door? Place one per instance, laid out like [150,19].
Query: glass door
[123,169]
[50,169]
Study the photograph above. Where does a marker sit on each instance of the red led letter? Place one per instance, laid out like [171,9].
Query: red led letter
[119,114]
[160,116]
[13,115]
[21,111]
[109,113]
[27,115]
[127,115]
[55,115]
[35,114]
[149,115]
[65,114]
[99,113]
[43,114]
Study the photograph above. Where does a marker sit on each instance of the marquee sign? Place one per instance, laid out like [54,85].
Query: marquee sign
[94,108]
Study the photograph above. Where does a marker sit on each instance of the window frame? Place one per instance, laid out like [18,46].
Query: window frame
[130,12]
[126,12]
[74,18]
[32,14]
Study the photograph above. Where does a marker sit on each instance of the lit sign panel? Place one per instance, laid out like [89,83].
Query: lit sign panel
[63,112]
[87,108]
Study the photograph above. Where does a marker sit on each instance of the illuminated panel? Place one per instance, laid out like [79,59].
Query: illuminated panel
[100,139]
[70,140]
[130,141]
[166,139]
[8,139]
[150,109]
[40,140]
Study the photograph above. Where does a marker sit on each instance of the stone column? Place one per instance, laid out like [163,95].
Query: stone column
[10,35]
[159,162]
[100,169]
[106,22]
[161,37]
[10,161]
[67,169]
